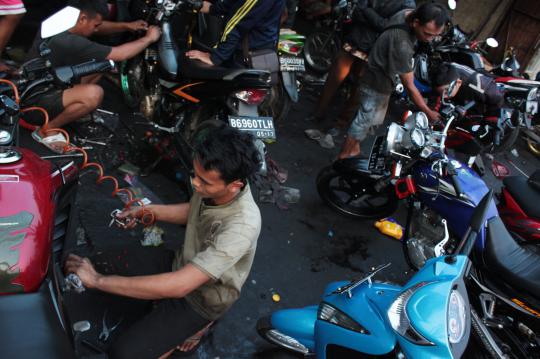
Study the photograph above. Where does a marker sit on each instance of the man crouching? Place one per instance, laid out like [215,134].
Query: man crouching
[206,276]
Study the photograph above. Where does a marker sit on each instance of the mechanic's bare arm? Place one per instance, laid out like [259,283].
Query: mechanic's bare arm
[115,27]
[175,284]
[132,48]
[407,79]
[172,213]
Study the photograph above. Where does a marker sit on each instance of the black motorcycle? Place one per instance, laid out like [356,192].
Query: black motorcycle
[178,96]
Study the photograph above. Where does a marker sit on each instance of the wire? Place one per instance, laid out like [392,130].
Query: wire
[147,217]
[15,90]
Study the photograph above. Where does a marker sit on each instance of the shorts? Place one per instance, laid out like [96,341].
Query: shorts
[371,113]
[11,7]
[355,52]
[50,101]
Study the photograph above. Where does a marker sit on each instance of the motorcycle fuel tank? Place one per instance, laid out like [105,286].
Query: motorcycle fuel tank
[27,188]
[438,193]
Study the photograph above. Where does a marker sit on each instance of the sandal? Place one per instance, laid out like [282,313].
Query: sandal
[52,142]
[197,338]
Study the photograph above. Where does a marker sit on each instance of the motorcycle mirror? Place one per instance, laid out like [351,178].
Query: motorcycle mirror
[81,326]
[59,22]
[491,42]
[452,4]
[450,88]
[477,221]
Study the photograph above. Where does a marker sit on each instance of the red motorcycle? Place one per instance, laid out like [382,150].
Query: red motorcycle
[35,204]
[518,206]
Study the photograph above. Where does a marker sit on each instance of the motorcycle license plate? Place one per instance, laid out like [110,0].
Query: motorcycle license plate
[260,127]
[377,157]
[293,64]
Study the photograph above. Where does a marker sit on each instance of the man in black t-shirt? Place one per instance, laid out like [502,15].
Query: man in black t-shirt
[73,47]
[391,55]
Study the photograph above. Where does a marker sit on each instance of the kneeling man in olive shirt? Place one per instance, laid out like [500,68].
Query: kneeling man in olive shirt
[223,224]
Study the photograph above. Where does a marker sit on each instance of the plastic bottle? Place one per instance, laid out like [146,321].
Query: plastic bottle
[389,228]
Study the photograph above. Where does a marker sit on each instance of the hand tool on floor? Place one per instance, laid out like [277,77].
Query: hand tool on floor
[106,331]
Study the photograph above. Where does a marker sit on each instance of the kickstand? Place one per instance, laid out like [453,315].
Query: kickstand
[147,170]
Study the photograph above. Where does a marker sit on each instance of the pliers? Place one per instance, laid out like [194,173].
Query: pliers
[106,331]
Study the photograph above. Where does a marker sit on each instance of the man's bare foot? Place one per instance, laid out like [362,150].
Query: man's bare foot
[350,148]
[194,340]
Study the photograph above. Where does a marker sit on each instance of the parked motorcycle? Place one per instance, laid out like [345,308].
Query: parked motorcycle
[426,318]
[35,208]
[178,96]
[290,49]
[322,46]
[518,206]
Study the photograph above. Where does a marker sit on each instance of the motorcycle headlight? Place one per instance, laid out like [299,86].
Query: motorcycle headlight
[399,320]
[333,315]
[533,99]
[5,137]
[394,137]
[456,317]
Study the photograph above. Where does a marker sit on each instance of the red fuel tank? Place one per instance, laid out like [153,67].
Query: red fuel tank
[27,204]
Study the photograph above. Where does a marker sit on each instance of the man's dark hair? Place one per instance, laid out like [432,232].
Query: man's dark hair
[428,12]
[228,151]
[91,7]
[443,75]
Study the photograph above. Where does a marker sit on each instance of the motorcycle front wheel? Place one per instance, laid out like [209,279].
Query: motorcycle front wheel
[320,49]
[354,195]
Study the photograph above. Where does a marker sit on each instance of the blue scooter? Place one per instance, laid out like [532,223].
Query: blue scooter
[429,317]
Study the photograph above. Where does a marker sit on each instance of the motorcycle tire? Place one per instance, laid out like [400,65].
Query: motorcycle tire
[533,145]
[277,103]
[371,204]
[320,49]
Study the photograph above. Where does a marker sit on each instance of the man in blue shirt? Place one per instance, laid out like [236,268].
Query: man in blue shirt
[257,19]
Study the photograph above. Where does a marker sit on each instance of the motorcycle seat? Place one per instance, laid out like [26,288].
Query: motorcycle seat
[198,70]
[30,327]
[517,265]
[525,194]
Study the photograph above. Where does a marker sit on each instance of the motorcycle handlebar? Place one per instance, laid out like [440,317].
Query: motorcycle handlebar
[67,74]
[478,219]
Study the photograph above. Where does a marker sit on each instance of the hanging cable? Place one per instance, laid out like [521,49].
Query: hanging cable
[147,218]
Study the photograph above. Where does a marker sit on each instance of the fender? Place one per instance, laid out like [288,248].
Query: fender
[366,307]
[298,323]
[289,82]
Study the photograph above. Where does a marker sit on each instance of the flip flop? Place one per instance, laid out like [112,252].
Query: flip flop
[313,134]
[201,338]
[50,141]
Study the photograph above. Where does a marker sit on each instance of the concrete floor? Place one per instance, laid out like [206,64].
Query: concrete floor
[296,256]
